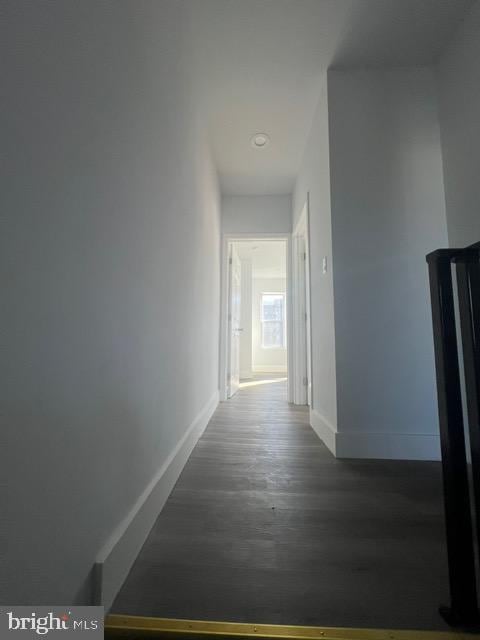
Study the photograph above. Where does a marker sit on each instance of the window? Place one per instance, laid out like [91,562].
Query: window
[273,320]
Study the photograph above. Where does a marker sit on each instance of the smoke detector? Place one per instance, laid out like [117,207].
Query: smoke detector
[259,140]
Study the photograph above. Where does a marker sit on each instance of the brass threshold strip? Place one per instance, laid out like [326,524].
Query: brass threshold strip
[117,626]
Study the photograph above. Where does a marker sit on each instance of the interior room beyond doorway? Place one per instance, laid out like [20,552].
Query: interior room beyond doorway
[257,336]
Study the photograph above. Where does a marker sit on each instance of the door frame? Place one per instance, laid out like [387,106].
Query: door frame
[302,325]
[227,238]
[232,254]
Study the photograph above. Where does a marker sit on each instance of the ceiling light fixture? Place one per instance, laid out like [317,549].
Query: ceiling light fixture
[260,140]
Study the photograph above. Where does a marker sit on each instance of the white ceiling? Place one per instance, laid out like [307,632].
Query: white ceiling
[258,65]
[269,258]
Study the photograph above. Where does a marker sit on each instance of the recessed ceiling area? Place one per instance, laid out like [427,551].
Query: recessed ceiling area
[269,257]
[258,65]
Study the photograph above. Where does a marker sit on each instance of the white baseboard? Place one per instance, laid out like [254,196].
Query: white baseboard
[384,446]
[118,555]
[388,446]
[273,368]
[246,374]
[324,430]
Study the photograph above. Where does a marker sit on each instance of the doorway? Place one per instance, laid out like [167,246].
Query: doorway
[256,313]
[302,333]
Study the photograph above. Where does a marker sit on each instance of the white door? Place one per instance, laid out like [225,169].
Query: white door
[234,322]
[303,356]
[306,301]
[302,362]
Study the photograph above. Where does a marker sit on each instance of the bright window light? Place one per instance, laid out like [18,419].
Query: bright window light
[272,311]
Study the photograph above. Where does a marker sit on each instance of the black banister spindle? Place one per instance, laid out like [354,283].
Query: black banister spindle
[468,284]
[463,608]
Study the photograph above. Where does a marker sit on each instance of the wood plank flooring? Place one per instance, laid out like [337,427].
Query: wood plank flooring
[265,525]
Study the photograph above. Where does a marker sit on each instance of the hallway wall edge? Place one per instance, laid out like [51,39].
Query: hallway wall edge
[119,553]
[375,445]
[388,446]
[324,430]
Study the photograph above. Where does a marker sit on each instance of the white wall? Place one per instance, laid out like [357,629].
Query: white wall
[256,214]
[268,360]
[314,179]
[388,212]
[458,78]
[111,251]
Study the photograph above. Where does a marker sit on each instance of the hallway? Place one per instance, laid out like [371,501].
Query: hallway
[265,525]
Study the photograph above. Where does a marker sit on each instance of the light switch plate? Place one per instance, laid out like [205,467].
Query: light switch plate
[324,264]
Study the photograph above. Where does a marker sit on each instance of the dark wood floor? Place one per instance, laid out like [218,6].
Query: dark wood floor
[264,525]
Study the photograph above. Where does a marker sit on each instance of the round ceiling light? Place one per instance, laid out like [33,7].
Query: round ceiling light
[260,140]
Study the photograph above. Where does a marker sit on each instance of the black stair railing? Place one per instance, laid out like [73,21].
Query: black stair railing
[462,501]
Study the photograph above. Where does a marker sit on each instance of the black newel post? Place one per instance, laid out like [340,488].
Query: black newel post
[463,608]
[468,281]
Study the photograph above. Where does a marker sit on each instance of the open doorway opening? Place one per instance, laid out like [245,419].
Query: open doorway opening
[256,327]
